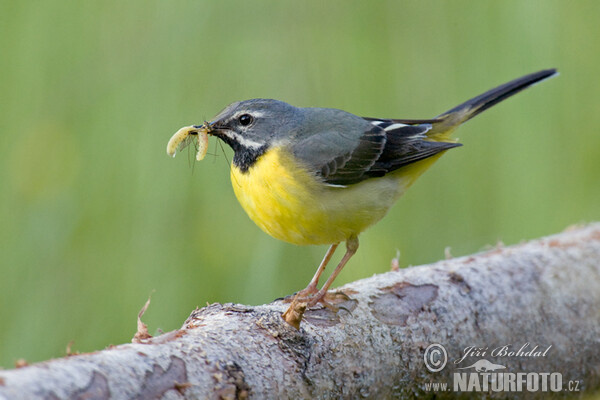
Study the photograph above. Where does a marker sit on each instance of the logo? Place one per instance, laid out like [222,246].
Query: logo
[435,357]
[494,376]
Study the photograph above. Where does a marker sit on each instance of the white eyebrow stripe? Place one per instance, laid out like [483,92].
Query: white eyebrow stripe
[255,114]
[376,123]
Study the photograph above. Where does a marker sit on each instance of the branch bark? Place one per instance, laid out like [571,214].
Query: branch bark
[545,292]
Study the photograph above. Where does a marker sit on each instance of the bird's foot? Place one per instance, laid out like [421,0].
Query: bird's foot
[302,296]
[328,299]
[312,297]
[333,301]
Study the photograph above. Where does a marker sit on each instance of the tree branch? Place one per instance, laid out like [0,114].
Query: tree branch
[545,293]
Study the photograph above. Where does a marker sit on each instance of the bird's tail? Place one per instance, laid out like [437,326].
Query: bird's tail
[452,118]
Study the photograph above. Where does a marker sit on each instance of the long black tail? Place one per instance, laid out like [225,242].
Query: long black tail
[476,105]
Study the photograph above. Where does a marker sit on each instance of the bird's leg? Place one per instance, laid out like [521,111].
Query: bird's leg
[351,247]
[312,286]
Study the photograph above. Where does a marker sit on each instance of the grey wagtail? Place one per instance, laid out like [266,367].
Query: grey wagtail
[321,175]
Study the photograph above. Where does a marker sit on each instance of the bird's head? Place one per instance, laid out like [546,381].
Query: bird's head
[251,127]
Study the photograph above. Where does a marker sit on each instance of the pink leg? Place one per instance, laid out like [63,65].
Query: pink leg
[312,286]
[351,247]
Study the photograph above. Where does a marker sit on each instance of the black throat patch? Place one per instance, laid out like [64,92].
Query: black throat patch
[244,157]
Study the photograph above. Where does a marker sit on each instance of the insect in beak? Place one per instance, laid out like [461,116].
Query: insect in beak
[185,136]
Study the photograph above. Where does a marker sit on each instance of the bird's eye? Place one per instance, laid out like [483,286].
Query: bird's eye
[245,119]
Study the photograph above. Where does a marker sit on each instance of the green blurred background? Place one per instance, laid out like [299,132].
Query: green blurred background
[95,216]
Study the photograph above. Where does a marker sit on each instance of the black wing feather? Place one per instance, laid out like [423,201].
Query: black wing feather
[403,145]
[406,144]
[402,154]
[351,167]
[343,157]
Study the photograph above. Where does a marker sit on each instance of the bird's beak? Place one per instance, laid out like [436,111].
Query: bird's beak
[208,127]
[214,128]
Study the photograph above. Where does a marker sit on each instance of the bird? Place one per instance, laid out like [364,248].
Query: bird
[322,176]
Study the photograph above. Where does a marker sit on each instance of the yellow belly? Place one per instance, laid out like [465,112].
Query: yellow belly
[290,204]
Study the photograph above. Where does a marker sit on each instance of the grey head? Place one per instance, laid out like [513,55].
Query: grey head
[251,127]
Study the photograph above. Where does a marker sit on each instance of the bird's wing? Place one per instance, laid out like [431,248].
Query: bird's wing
[407,142]
[341,157]
[361,148]
[402,121]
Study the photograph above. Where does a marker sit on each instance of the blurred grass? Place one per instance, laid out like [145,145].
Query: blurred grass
[95,216]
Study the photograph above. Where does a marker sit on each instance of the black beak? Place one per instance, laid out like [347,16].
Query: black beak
[210,127]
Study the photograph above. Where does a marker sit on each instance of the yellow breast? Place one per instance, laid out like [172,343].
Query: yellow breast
[293,205]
